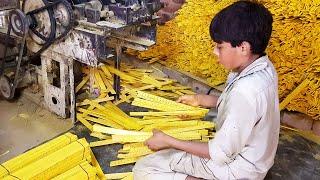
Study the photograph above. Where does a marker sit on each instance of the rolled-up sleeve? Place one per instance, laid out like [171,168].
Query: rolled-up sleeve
[240,118]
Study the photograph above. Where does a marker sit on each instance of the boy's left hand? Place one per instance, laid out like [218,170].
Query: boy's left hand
[158,141]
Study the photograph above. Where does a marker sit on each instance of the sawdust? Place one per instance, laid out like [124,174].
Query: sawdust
[317,156]
[4,153]
[287,137]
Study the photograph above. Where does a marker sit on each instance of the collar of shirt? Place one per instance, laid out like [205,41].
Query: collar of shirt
[257,65]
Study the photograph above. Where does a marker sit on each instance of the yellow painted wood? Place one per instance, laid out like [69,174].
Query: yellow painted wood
[186,129]
[106,71]
[107,83]
[3,171]
[154,98]
[171,113]
[118,175]
[102,95]
[132,145]
[151,105]
[121,74]
[157,120]
[173,124]
[56,162]
[99,80]
[104,121]
[97,166]
[142,138]
[100,135]
[187,91]
[294,93]
[84,122]
[39,152]
[9,177]
[108,130]
[129,177]
[172,88]
[150,80]
[113,107]
[142,152]
[86,112]
[98,100]
[123,162]
[82,171]
[127,123]
[124,98]
[102,143]
[82,83]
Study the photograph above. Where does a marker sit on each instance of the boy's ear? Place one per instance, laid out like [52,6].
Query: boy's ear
[245,48]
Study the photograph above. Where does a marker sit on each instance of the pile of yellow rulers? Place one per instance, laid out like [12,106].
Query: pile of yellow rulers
[108,123]
[185,44]
[111,125]
[100,81]
[65,157]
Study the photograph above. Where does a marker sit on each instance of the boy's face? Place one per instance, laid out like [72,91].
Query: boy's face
[230,57]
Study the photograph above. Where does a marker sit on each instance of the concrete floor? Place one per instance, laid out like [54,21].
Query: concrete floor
[24,125]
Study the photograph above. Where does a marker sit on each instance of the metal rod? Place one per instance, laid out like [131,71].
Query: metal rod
[72,91]
[117,63]
[5,50]
[16,77]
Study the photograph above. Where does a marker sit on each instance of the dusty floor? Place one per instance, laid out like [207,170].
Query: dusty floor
[23,125]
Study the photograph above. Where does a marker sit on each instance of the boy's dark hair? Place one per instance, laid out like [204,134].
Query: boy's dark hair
[243,21]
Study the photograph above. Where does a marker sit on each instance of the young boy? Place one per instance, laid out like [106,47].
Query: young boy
[248,118]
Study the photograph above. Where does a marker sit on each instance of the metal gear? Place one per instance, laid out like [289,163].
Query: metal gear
[43,26]
[19,22]
[64,17]
[50,21]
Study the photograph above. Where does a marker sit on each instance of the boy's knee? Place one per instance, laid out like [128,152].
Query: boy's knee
[140,170]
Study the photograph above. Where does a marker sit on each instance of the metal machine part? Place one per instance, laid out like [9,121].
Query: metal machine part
[5,86]
[18,23]
[39,18]
[9,4]
[49,21]
[88,31]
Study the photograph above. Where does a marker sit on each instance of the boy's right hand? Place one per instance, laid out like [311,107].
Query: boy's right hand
[191,100]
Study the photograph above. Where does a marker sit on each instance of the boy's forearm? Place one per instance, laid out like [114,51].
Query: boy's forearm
[207,100]
[200,149]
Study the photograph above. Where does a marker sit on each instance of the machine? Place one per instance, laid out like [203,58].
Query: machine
[61,32]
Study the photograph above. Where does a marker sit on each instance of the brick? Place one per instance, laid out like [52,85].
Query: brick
[316,127]
[297,120]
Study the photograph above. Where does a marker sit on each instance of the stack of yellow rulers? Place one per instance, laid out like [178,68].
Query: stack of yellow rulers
[111,125]
[100,81]
[294,48]
[65,157]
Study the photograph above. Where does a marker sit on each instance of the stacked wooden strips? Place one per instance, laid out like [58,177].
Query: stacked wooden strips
[126,175]
[185,43]
[133,140]
[294,48]
[64,156]
[111,125]
[100,110]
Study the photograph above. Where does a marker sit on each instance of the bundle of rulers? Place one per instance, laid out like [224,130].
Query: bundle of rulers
[65,157]
[140,88]
[294,48]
